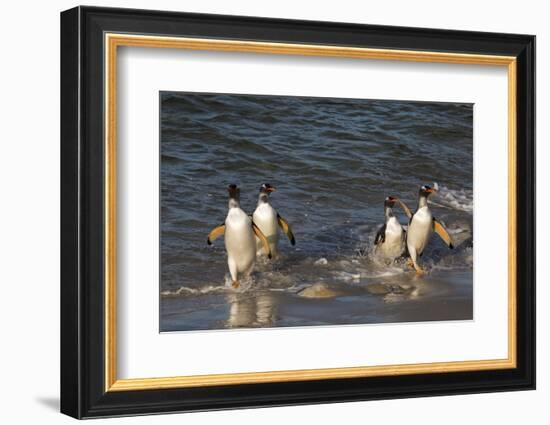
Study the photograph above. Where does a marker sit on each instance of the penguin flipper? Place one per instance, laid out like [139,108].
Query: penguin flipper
[262,237]
[381,235]
[405,208]
[283,224]
[215,233]
[443,233]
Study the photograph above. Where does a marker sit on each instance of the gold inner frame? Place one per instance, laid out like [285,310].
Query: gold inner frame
[113,41]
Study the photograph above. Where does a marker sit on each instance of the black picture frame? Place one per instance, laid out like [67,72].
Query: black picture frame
[83,392]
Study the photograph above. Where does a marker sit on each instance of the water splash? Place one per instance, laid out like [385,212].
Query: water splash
[460,200]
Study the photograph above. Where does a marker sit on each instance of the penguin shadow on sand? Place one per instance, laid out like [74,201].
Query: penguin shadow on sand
[252,309]
[416,287]
[437,257]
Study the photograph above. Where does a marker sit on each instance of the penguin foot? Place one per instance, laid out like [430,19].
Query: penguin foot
[236,284]
[410,263]
[419,270]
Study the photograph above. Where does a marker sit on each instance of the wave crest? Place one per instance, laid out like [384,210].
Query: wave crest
[460,200]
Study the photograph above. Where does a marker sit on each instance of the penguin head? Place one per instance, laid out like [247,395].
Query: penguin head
[389,202]
[234,191]
[426,191]
[267,188]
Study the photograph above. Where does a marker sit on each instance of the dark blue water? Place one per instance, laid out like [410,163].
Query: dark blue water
[333,162]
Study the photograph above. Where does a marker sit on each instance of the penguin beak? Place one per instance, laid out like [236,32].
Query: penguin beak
[431,190]
[270,189]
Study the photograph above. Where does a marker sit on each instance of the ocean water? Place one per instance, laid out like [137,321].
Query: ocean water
[333,161]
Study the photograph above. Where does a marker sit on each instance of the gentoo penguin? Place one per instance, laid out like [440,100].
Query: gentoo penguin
[240,243]
[390,239]
[421,226]
[268,220]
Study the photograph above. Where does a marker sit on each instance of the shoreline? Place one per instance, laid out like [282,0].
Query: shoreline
[437,296]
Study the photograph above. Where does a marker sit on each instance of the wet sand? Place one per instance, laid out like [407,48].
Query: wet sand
[439,295]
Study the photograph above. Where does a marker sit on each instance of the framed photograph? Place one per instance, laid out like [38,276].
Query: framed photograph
[261,212]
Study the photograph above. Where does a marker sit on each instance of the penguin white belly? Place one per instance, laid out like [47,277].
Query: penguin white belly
[420,229]
[265,217]
[239,243]
[393,244]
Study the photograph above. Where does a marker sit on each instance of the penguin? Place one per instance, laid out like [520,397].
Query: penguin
[421,226]
[239,233]
[390,239]
[268,220]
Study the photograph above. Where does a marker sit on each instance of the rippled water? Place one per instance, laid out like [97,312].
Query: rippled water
[333,162]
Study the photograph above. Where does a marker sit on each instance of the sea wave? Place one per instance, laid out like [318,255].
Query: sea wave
[460,200]
[186,290]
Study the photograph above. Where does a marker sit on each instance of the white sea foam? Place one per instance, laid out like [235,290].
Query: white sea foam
[461,200]
[186,290]
[321,262]
[347,277]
